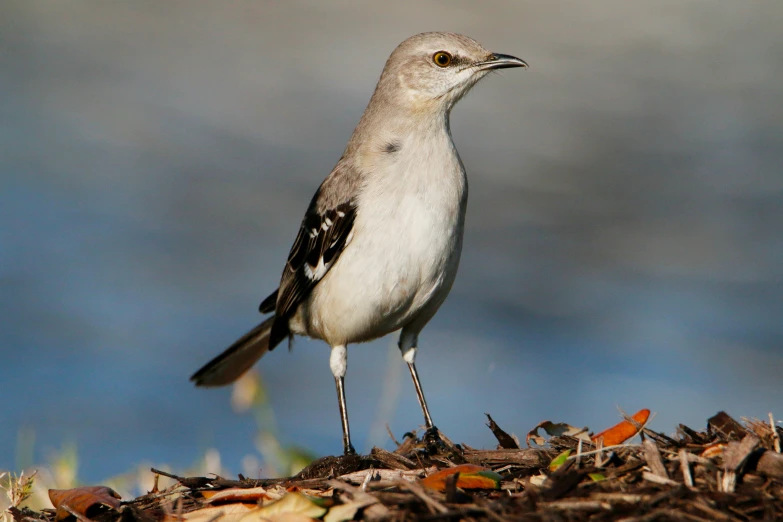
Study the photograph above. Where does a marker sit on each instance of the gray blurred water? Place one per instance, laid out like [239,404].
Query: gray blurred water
[624,241]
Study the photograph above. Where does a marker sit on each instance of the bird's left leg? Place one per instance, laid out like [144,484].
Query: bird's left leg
[338,362]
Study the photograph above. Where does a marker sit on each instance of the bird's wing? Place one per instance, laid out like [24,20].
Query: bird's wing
[268,304]
[326,230]
[321,239]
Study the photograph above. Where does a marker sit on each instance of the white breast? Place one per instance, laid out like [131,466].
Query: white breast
[405,249]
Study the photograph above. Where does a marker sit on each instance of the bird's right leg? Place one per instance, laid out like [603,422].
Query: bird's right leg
[338,362]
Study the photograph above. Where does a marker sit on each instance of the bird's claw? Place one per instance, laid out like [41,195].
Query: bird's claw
[433,443]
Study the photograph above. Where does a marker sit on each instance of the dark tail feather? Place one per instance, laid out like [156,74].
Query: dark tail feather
[237,359]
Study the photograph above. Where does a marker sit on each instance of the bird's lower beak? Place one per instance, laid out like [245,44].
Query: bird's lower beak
[501,61]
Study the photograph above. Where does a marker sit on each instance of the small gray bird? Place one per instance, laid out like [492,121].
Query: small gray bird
[379,245]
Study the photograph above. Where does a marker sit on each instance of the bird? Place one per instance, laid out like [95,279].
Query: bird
[380,243]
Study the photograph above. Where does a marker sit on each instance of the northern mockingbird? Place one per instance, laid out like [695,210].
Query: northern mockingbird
[380,243]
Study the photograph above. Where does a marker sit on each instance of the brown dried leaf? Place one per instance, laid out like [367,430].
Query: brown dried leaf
[555,429]
[724,424]
[505,441]
[87,501]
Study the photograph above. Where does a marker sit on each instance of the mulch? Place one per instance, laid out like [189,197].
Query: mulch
[730,471]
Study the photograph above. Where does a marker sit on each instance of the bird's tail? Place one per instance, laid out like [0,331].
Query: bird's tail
[237,358]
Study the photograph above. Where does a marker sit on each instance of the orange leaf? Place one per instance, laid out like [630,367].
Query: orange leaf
[714,450]
[89,501]
[470,477]
[623,431]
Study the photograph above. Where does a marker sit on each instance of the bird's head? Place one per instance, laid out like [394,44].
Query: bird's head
[435,70]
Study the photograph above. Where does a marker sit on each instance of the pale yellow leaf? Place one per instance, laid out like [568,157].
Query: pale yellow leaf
[246,495]
[227,513]
[346,511]
[555,429]
[537,480]
[289,517]
[291,503]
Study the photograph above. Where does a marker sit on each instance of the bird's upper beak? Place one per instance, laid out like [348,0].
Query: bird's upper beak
[500,61]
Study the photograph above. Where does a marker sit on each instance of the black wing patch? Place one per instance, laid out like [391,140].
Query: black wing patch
[321,239]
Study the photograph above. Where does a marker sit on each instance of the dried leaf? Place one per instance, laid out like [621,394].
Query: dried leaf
[294,503]
[88,501]
[538,480]
[724,424]
[559,460]
[470,477]
[622,431]
[289,517]
[347,511]
[505,440]
[714,450]
[555,430]
[244,495]
[226,513]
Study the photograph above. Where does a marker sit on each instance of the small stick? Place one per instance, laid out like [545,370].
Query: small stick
[686,468]
[734,459]
[599,453]
[366,481]
[775,434]
[653,458]
[417,490]
[391,435]
[646,475]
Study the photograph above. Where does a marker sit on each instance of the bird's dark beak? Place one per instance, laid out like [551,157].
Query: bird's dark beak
[501,61]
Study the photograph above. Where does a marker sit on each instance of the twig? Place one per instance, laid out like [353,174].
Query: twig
[646,475]
[360,477]
[602,449]
[701,505]
[685,466]
[586,505]
[417,490]
[653,458]
[599,453]
[371,504]
[775,434]
[771,465]
[391,435]
[366,481]
[734,458]
[627,498]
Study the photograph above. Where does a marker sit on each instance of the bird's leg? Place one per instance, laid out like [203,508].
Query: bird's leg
[407,344]
[338,361]
[420,395]
[431,438]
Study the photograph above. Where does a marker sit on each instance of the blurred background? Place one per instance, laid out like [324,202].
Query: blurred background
[623,246]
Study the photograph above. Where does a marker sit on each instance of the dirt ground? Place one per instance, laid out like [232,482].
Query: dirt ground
[730,471]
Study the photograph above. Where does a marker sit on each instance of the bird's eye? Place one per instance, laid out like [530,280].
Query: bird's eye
[441,59]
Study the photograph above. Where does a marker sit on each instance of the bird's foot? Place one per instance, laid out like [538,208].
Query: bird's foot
[433,443]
